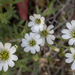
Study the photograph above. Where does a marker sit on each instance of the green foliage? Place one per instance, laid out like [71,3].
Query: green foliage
[5,17]
[62,54]
[25,29]
[49,9]
[2,2]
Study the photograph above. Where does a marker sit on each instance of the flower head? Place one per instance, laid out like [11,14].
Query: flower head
[31,43]
[70,32]
[47,34]
[6,56]
[36,23]
[71,58]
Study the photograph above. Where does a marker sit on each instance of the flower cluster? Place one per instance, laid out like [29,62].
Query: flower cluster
[40,33]
[70,34]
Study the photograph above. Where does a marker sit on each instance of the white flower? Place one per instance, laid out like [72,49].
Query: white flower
[36,22]
[6,56]
[70,32]
[31,43]
[71,58]
[46,34]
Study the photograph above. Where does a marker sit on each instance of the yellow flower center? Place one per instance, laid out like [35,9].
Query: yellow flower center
[38,21]
[32,43]
[44,33]
[4,55]
[73,34]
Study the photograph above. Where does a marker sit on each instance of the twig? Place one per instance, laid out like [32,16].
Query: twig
[14,40]
[63,64]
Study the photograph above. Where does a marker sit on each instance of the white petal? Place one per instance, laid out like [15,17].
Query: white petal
[1,45]
[45,27]
[11,63]
[69,26]
[69,60]
[73,66]
[39,41]
[37,48]
[41,27]
[27,37]
[66,31]
[37,36]
[7,45]
[71,41]
[32,28]
[1,66]
[73,22]
[5,66]
[43,18]
[24,40]
[31,23]
[39,15]
[50,27]
[32,18]
[51,31]
[33,51]
[36,28]
[42,22]
[66,36]
[72,50]
[32,35]
[51,37]
[12,49]
[26,49]
[35,15]
[49,41]
[69,55]
[14,57]
[43,41]
[24,44]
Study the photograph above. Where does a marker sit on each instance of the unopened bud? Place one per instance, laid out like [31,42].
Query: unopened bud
[16,46]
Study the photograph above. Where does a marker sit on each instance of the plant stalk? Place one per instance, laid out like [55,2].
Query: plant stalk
[73,73]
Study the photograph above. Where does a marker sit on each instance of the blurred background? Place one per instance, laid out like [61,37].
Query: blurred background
[14,18]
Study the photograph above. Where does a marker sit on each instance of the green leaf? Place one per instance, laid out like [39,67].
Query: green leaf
[4,17]
[14,2]
[48,2]
[51,4]
[16,16]
[20,23]
[2,2]
[25,67]
[37,9]
[25,29]
[50,11]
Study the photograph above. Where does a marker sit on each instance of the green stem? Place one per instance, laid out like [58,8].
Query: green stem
[61,38]
[36,67]
[73,73]
[61,45]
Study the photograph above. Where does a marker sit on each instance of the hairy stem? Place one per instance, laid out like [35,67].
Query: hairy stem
[73,73]
[60,45]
